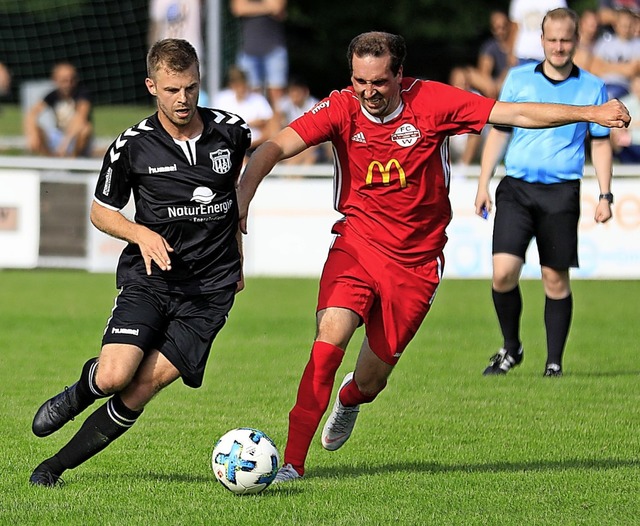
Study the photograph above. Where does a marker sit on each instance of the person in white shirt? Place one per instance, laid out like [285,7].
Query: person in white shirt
[253,107]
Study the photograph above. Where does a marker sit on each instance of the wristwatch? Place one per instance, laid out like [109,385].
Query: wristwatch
[608,196]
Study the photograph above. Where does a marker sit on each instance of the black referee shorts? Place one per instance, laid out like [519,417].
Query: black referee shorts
[182,327]
[547,212]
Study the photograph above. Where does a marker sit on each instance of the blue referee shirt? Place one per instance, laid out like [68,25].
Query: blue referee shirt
[551,155]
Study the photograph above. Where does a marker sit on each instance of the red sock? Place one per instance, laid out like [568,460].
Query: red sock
[313,398]
[350,395]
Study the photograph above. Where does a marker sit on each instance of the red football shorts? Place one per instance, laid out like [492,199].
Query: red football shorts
[391,299]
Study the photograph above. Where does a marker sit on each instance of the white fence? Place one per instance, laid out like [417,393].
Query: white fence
[44,222]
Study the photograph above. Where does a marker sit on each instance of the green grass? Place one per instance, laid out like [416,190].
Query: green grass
[109,120]
[441,445]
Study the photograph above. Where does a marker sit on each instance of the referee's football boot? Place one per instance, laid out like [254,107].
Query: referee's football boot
[57,411]
[43,475]
[502,362]
[340,423]
[553,369]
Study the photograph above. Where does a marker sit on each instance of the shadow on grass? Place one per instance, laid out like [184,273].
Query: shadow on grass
[173,478]
[492,467]
[402,467]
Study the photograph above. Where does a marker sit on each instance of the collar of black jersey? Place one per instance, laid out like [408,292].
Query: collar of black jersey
[575,72]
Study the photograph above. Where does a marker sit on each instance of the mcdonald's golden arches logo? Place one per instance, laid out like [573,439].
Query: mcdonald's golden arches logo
[385,172]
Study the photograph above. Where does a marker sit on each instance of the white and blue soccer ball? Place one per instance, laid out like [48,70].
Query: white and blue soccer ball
[245,460]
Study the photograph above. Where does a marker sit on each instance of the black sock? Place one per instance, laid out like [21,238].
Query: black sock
[87,391]
[102,427]
[557,320]
[508,307]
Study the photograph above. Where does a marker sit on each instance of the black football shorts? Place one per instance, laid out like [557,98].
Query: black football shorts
[182,327]
[547,212]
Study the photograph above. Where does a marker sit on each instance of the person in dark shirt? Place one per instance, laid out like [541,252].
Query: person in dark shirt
[182,266]
[70,133]
[263,54]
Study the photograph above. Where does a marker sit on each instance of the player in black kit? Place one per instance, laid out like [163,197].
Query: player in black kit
[181,268]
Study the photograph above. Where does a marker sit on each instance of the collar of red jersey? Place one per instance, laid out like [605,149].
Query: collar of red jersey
[386,118]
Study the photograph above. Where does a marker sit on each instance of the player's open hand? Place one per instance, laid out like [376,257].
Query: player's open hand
[613,114]
[154,248]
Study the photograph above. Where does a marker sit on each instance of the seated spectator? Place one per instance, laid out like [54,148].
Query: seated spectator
[71,132]
[621,48]
[495,57]
[5,79]
[626,141]
[253,107]
[588,30]
[463,149]
[293,104]
[608,10]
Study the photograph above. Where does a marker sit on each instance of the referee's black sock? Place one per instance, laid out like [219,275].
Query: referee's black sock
[557,321]
[102,427]
[508,307]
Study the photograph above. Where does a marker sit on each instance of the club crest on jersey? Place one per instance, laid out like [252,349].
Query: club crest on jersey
[385,172]
[221,161]
[406,135]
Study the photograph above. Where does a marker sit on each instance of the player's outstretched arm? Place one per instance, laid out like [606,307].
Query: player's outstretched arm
[285,144]
[612,114]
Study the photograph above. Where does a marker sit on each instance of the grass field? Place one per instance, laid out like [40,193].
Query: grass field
[441,445]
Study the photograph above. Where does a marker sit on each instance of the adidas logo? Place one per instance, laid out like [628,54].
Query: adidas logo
[359,137]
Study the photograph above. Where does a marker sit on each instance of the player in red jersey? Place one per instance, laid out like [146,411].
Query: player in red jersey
[389,135]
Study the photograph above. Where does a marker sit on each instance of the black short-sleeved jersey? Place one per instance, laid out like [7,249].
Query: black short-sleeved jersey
[184,191]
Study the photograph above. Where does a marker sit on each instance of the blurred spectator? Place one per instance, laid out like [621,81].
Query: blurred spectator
[179,19]
[527,15]
[588,29]
[253,107]
[495,56]
[297,100]
[263,54]
[5,79]
[293,104]
[622,48]
[607,10]
[494,59]
[69,133]
[626,141]
[463,149]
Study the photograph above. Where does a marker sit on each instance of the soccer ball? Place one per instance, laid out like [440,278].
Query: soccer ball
[245,461]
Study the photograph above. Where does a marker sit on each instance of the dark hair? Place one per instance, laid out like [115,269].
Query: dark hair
[562,13]
[378,44]
[173,54]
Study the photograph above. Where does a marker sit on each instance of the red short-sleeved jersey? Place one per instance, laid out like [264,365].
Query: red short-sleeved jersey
[392,175]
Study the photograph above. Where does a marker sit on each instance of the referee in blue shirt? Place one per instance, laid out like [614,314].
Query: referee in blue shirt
[540,196]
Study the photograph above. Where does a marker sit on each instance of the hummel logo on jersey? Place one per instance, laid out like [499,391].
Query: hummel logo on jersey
[359,137]
[162,169]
